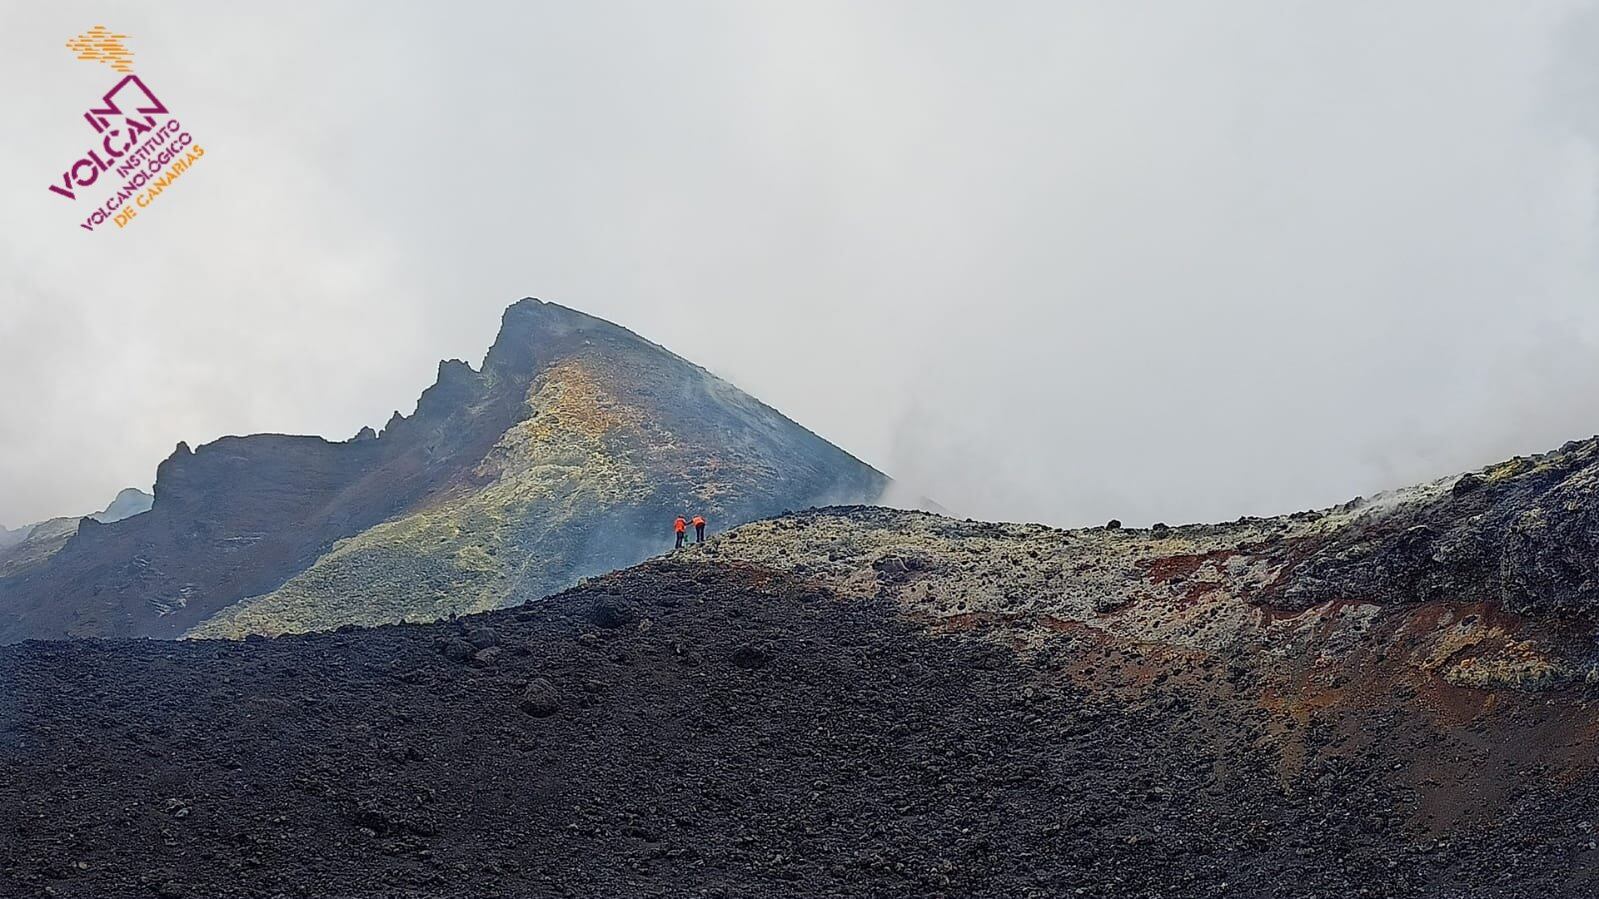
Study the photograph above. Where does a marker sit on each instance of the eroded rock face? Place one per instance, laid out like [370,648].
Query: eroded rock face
[1523,534]
[561,457]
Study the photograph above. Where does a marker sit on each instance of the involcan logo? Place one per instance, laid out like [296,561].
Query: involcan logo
[139,148]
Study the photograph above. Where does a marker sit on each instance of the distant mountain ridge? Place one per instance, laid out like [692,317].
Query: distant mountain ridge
[566,454]
[129,501]
[32,544]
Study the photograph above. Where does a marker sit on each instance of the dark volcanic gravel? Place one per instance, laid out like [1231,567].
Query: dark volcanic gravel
[682,730]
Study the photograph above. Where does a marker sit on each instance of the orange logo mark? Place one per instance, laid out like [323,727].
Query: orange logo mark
[98,44]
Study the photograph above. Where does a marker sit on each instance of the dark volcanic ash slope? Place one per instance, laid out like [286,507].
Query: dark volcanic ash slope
[697,728]
[867,702]
[567,454]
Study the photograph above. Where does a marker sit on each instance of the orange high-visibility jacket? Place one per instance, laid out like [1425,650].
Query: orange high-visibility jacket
[678,526]
[698,521]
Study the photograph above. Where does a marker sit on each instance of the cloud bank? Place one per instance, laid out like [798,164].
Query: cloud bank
[1041,262]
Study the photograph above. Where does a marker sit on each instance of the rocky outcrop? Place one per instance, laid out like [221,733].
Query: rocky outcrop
[1523,534]
[559,458]
[1484,586]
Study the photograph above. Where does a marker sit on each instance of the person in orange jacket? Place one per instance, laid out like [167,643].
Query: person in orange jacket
[678,526]
[699,529]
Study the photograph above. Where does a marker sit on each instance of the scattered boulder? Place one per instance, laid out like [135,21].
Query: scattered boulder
[371,817]
[483,637]
[1109,603]
[540,698]
[899,567]
[456,650]
[383,821]
[751,657]
[985,656]
[1113,525]
[486,656]
[611,613]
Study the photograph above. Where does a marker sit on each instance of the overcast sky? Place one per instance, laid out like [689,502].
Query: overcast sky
[1043,261]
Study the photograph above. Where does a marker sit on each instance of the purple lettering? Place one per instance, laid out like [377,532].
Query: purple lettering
[65,187]
[80,180]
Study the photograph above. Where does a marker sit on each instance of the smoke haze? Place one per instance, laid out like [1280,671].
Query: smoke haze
[1039,261]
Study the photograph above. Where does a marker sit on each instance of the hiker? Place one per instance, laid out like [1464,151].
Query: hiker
[699,529]
[678,526]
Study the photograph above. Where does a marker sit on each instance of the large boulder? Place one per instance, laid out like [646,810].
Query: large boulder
[540,698]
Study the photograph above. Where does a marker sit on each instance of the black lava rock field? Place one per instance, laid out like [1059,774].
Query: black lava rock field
[689,728]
